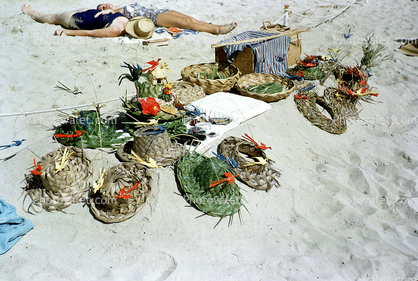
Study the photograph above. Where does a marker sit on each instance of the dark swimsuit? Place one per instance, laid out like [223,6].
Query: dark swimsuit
[86,20]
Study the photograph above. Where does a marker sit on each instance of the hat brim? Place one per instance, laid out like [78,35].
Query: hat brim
[129,28]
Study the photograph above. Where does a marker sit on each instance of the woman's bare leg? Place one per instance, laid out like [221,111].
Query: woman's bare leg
[62,19]
[179,20]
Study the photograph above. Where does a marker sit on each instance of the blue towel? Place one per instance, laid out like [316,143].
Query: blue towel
[12,226]
[270,55]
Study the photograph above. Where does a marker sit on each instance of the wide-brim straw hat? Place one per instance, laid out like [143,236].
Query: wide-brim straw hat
[140,27]
[152,142]
[257,173]
[55,190]
[104,203]
[194,173]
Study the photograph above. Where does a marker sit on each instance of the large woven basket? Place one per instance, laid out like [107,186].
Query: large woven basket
[258,176]
[104,203]
[150,142]
[192,73]
[187,92]
[60,189]
[260,78]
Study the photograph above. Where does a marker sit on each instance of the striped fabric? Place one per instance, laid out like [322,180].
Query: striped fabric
[270,56]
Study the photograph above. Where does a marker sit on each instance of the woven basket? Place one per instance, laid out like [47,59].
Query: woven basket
[158,146]
[261,78]
[187,92]
[258,176]
[106,207]
[192,73]
[61,189]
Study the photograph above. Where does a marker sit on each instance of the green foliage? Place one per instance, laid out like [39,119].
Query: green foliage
[372,54]
[99,133]
[266,88]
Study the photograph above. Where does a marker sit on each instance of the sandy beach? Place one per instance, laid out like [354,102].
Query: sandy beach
[347,207]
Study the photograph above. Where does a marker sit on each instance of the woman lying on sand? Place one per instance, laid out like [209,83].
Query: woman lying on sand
[111,23]
[82,22]
[167,18]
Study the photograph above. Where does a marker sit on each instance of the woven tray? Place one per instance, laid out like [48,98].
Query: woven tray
[192,73]
[104,203]
[187,92]
[56,190]
[261,78]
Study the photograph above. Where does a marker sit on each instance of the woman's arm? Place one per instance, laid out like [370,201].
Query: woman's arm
[117,28]
[104,32]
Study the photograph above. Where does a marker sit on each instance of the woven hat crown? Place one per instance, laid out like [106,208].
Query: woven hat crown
[140,27]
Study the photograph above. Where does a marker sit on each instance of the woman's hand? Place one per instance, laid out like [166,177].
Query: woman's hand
[108,11]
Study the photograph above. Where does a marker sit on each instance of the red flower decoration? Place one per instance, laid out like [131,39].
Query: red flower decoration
[167,89]
[150,106]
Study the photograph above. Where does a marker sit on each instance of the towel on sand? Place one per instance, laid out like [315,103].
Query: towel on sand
[12,226]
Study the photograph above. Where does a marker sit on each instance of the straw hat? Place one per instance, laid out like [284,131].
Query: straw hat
[57,186]
[197,174]
[153,142]
[252,165]
[140,27]
[125,190]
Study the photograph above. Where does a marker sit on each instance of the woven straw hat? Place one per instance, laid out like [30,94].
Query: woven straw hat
[196,173]
[140,27]
[151,141]
[107,204]
[55,190]
[257,173]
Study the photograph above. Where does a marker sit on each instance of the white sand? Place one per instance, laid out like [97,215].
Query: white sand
[347,205]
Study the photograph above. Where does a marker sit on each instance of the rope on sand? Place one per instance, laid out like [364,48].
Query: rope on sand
[56,109]
[333,16]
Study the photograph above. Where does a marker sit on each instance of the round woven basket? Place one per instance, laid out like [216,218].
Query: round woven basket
[260,78]
[104,203]
[192,73]
[149,142]
[258,176]
[62,188]
[187,92]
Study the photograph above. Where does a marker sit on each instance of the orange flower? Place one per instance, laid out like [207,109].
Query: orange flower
[150,106]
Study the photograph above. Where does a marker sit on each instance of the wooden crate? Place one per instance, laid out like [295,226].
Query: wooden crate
[245,61]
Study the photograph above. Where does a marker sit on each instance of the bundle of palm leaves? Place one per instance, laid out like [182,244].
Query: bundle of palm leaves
[86,129]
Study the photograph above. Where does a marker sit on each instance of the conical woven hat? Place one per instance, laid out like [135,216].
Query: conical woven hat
[253,167]
[108,203]
[153,142]
[60,187]
[195,173]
